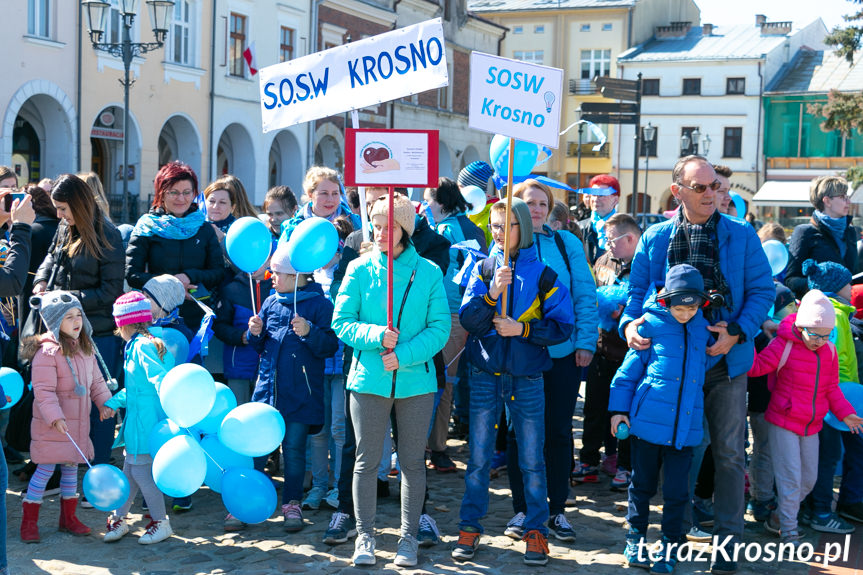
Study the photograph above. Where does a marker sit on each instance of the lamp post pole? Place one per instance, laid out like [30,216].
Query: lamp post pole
[649,135]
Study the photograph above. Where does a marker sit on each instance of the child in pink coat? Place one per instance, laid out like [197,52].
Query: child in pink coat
[66,378]
[806,387]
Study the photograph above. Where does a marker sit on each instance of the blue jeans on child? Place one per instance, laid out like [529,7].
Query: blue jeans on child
[294,454]
[525,400]
[829,454]
[852,469]
[647,460]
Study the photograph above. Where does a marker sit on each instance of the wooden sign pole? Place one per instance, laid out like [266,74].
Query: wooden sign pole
[508,224]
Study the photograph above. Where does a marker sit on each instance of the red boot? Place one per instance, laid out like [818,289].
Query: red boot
[29,522]
[68,522]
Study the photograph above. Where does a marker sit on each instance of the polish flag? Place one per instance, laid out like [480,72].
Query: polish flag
[249,57]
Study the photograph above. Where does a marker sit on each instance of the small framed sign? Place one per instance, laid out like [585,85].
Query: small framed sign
[406,158]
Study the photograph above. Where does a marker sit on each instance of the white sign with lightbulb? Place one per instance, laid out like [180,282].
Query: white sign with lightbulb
[515,99]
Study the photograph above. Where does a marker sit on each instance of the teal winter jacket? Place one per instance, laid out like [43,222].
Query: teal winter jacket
[423,319]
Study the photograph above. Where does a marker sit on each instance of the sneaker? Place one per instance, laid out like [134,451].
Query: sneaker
[406,556]
[792,538]
[760,510]
[468,541]
[636,552]
[383,488]
[698,535]
[232,524]
[515,527]
[314,497]
[621,479]
[723,567]
[428,533]
[364,550]
[702,511]
[156,531]
[341,528]
[182,504]
[332,498]
[84,504]
[441,462]
[585,473]
[669,558]
[560,528]
[117,528]
[293,514]
[851,511]
[830,523]
[804,516]
[771,524]
[609,465]
[537,548]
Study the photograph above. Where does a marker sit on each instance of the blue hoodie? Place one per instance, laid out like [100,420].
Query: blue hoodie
[551,324]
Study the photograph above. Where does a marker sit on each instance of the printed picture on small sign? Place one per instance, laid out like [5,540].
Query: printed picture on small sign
[391,158]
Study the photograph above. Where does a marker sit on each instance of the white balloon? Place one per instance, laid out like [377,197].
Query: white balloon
[475,197]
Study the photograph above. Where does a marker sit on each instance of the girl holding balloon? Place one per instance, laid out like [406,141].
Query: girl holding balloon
[146,362]
[65,378]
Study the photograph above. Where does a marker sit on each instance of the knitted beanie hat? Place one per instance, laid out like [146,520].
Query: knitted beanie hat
[475,174]
[828,277]
[132,307]
[165,291]
[816,311]
[280,262]
[404,212]
[53,307]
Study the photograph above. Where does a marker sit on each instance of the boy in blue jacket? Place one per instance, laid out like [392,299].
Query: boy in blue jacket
[508,355]
[293,344]
[657,392]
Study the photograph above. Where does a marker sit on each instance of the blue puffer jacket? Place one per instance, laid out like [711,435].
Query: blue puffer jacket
[661,387]
[746,272]
[291,377]
[451,230]
[581,286]
[550,324]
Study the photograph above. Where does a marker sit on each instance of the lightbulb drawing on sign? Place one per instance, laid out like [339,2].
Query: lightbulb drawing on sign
[549,100]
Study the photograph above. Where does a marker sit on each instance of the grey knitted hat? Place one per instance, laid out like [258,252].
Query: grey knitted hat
[54,305]
[166,291]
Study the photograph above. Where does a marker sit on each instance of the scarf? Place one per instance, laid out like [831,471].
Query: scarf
[169,320]
[698,246]
[169,226]
[598,223]
[836,226]
[223,225]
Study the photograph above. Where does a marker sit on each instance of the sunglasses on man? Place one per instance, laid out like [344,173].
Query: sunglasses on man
[701,188]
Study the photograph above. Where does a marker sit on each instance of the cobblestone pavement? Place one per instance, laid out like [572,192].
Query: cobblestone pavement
[200,545]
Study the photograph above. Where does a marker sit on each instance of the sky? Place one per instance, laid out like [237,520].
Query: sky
[800,12]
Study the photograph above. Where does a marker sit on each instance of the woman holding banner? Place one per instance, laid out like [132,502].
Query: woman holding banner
[392,368]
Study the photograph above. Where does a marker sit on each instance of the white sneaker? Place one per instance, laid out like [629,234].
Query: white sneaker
[406,556]
[117,528]
[364,550]
[156,531]
[314,497]
[698,536]
[332,498]
[515,527]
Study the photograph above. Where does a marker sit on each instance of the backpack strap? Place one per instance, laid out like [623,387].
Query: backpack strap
[785,353]
[558,239]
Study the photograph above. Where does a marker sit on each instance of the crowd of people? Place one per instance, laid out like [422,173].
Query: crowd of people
[494,331]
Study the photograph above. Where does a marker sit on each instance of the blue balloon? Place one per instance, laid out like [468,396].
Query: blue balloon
[248,243]
[248,495]
[180,466]
[777,255]
[524,159]
[853,392]
[622,431]
[313,244]
[253,429]
[187,394]
[12,384]
[219,460]
[225,402]
[177,344]
[164,430]
[106,487]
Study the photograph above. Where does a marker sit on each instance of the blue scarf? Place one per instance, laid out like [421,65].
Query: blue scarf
[169,320]
[598,223]
[169,226]
[837,227]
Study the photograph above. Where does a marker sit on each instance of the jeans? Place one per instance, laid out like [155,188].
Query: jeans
[526,405]
[319,444]
[829,454]
[597,430]
[698,452]
[852,469]
[294,453]
[725,408]
[760,465]
[561,393]
[102,432]
[647,460]
[461,390]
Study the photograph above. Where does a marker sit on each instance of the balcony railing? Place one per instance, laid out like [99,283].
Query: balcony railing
[581,87]
[823,163]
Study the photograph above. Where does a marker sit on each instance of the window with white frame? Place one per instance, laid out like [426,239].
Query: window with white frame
[595,63]
[607,27]
[539,29]
[286,43]
[518,29]
[585,27]
[532,56]
[237,43]
[38,18]
[180,45]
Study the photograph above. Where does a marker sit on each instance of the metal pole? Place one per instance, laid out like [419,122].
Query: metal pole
[637,128]
[644,192]
[580,132]
[127,62]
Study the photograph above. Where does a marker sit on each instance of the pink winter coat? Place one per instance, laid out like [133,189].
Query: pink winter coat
[806,387]
[54,398]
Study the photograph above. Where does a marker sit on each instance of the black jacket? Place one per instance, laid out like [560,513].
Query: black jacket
[13,273]
[591,240]
[96,283]
[199,257]
[814,241]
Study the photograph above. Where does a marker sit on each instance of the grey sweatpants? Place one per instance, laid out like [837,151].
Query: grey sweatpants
[370,415]
[138,469]
[795,469]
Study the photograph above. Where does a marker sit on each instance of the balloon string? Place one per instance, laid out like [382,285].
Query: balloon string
[79,450]
[222,469]
[252,292]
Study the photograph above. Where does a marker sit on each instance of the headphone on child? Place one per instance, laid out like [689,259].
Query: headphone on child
[712,299]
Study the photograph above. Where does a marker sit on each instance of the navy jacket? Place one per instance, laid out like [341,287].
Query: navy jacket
[233,310]
[814,241]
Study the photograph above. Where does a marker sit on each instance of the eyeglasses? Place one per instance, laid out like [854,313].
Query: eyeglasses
[701,188]
[815,336]
[843,197]
[497,228]
[612,241]
[176,194]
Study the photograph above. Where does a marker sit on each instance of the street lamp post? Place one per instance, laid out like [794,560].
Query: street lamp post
[705,144]
[97,12]
[649,135]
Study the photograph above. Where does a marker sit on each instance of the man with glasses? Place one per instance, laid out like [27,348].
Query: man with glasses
[729,257]
[603,196]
